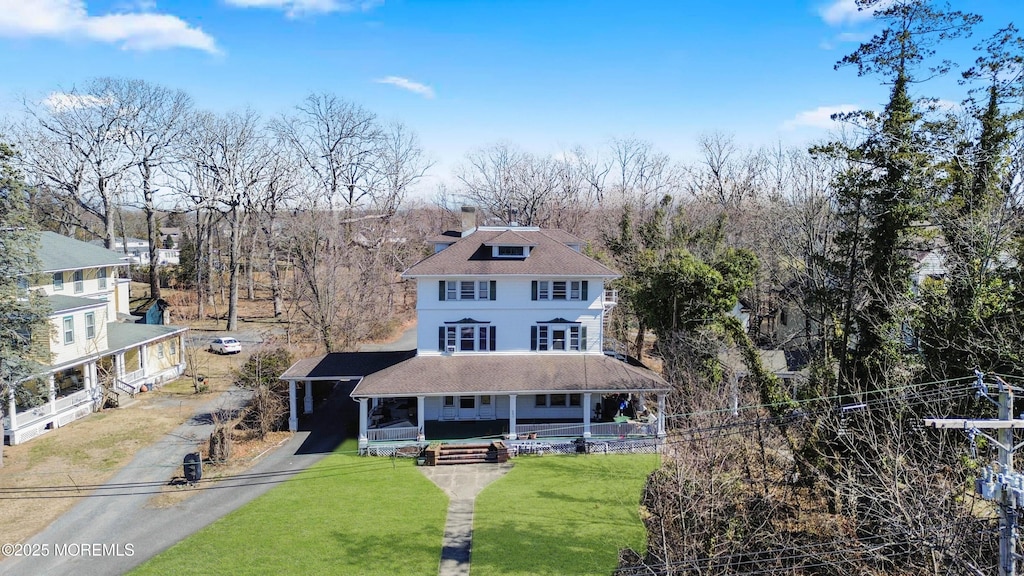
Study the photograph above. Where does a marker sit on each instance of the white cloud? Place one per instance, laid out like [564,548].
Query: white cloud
[60,101]
[840,12]
[299,8]
[820,117]
[129,30]
[406,84]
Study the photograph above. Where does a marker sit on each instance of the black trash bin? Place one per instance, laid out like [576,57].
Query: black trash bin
[581,445]
[193,467]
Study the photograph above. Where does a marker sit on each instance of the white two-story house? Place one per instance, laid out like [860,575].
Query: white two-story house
[509,345]
[95,348]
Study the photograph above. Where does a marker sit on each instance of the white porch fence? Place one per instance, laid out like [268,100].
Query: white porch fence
[600,429]
[392,434]
[75,399]
[133,376]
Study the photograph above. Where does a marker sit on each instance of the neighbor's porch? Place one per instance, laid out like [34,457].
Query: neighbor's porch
[67,393]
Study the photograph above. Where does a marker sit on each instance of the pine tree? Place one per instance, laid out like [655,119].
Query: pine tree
[23,313]
[883,195]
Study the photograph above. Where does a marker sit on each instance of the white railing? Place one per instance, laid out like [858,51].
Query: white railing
[575,429]
[624,429]
[550,429]
[394,433]
[611,297]
[133,376]
[72,400]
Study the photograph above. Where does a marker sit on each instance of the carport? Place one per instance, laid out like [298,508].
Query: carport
[333,367]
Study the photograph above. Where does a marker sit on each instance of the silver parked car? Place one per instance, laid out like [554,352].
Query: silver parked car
[225,345]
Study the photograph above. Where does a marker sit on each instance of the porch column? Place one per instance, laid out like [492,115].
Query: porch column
[363,410]
[307,407]
[586,414]
[661,415]
[12,411]
[512,416]
[293,418]
[143,353]
[420,407]
[119,365]
[52,396]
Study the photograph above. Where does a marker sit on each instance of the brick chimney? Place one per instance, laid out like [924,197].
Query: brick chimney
[468,220]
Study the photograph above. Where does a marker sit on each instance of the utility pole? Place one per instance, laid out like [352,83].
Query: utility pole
[1001,484]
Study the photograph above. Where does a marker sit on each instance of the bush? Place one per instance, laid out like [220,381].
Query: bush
[269,408]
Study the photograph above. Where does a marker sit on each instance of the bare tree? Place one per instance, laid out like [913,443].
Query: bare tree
[73,144]
[155,120]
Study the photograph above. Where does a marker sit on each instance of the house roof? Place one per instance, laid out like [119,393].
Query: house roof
[344,365]
[446,237]
[509,374]
[60,303]
[549,256]
[510,238]
[58,252]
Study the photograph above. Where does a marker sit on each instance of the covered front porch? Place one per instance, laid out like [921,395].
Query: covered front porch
[62,394]
[425,418]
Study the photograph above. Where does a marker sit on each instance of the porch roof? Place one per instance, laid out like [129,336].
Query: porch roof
[121,335]
[344,365]
[509,374]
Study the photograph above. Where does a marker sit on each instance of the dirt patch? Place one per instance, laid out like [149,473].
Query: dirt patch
[246,453]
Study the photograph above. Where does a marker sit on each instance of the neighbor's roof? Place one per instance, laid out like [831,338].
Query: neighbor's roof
[509,374]
[56,252]
[60,303]
[549,256]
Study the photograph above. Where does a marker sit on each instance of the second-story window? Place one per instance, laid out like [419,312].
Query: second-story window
[467,290]
[90,325]
[101,278]
[69,330]
[79,282]
[561,337]
[58,280]
[466,338]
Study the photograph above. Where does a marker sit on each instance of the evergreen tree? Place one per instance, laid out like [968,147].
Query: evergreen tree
[968,317]
[883,195]
[23,313]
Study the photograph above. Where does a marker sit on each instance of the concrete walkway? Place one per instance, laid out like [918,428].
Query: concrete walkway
[462,483]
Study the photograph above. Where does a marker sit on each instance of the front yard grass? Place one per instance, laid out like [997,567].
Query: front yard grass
[355,515]
[345,515]
[561,515]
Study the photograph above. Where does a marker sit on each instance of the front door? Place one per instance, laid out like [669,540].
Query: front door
[467,408]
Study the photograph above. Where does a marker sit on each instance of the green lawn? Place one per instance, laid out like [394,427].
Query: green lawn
[345,515]
[357,515]
[560,515]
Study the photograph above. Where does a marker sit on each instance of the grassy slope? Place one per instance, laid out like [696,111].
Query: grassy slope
[560,515]
[346,515]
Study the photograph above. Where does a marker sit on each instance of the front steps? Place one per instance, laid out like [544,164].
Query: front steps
[448,454]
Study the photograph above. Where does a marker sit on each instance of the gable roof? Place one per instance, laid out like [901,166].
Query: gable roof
[472,255]
[56,253]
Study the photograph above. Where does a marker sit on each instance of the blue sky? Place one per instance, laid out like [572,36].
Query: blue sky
[546,75]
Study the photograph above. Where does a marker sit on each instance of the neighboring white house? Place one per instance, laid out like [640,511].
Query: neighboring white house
[91,348]
[136,250]
[509,332]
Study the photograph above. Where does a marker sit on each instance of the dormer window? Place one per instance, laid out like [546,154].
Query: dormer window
[510,251]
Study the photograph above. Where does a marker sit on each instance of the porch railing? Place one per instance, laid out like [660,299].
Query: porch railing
[575,429]
[75,399]
[393,433]
[133,376]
